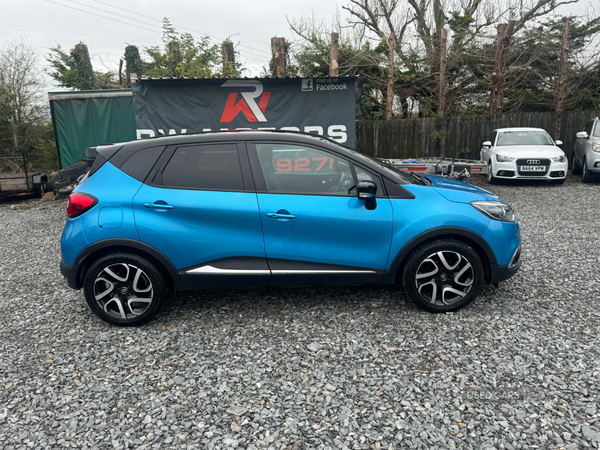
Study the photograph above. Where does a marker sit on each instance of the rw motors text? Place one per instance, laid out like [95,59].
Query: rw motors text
[334,132]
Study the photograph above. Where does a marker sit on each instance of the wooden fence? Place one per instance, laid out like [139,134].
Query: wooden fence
[460,137]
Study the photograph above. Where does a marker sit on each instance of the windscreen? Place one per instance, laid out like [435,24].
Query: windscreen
[533,137]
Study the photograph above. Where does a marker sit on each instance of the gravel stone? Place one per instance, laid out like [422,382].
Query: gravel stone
[322,368]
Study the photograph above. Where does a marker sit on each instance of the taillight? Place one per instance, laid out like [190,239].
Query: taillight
[80,203]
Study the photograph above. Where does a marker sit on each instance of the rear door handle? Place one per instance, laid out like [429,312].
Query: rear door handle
[278,215]
[157,205]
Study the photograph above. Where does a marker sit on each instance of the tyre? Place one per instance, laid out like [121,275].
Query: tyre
[72,172]
[576,170]
[58,185]
[586,175]
[443,275]
[125,289]
[490,176]
[50,184]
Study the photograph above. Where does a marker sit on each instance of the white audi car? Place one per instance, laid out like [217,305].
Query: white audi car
[525,154]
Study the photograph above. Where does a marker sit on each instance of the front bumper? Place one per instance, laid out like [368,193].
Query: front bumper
[510,171]
[70,274]
[593,162]
[501,273]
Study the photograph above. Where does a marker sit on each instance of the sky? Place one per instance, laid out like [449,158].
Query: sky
[107,26]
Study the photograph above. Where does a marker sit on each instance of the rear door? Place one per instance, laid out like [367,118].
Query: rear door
[200,210]
[316,230]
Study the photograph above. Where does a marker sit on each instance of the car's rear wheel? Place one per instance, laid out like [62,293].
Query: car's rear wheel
[125,289]
[586,175]
[443,275]
[490,175]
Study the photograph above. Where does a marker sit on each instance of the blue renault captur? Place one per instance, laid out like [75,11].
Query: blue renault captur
[264,209]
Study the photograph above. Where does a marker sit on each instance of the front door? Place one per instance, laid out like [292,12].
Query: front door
[316,230]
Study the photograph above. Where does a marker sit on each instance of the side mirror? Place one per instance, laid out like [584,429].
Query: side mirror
[487,144]
[582,135]
[558,142]
[366,191]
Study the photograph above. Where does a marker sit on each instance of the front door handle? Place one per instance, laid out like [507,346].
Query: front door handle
[158,205]
[281,215]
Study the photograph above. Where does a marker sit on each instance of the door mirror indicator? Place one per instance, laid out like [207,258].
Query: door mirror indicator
[366,190]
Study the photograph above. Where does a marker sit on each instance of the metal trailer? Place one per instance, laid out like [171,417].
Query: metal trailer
[19,183]
[439,165]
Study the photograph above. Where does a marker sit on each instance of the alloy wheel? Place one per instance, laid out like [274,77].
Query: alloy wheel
[444,277]
[123,291]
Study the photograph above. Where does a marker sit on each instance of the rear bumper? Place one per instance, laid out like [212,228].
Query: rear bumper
[70,274]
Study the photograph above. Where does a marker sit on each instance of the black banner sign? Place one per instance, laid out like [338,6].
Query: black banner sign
[323,106]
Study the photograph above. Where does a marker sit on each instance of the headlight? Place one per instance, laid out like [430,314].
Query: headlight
[496,210]
[596,147]
[561,158]
[502,158]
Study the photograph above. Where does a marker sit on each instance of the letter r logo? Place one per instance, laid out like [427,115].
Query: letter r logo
[247,105]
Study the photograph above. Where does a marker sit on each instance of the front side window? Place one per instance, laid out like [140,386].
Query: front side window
[507,138]
[211,166]
[289,168]
[588,128]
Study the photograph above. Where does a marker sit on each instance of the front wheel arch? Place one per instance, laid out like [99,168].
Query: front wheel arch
[473,240]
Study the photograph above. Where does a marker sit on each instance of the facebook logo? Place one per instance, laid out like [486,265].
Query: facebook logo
[307,85]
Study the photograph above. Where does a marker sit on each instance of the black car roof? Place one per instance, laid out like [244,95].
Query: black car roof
[119,153]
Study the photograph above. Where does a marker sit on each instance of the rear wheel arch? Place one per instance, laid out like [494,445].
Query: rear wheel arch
[99,249]
[473,240]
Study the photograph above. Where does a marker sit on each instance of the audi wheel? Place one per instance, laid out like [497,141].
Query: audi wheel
[443,275]
[125,289]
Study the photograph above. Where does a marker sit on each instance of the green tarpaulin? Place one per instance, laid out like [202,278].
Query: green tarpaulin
[89,118]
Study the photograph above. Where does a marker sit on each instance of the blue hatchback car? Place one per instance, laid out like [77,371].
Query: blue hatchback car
[260,209]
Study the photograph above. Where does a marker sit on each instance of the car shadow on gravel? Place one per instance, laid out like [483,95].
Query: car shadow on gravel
[346,299]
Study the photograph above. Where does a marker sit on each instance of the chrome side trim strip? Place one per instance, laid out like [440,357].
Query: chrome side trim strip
[304,272]
[216,271]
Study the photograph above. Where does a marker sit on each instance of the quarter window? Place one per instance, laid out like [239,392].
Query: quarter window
[214,167]
[303,170]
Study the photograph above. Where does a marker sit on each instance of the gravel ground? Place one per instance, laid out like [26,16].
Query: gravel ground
[310,368]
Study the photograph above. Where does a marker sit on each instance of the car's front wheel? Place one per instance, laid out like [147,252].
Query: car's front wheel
[586,175]
[490,175]
[125,289]
[443,275]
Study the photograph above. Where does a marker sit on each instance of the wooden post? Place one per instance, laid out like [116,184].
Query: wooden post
[561,89]
[334,67]
[278,51]
[225,56]
[121,72]
[390,84]
[442,94]
[498,76]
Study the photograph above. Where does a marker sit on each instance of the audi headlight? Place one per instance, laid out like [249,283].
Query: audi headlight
[496,210]
[561,158]
[596,147]
[502,158]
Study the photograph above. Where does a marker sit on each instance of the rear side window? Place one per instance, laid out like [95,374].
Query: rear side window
[211,166]
[141,162]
